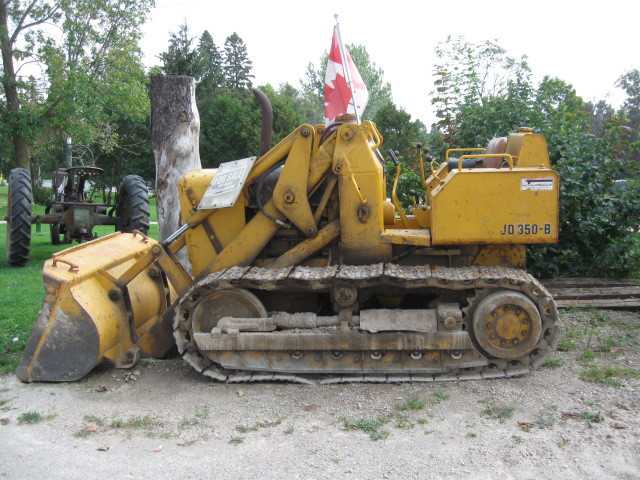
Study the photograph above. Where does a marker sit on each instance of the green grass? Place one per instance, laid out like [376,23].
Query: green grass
[592,417]
[93,419]
[608,375]
[440,396]
[30,418]
[413,403]
[545,422]
[257,426]
[588,356]
[22,289]
[566,345]
[133,422]
[553,362]
[403,422]
[499,412]
[372,427]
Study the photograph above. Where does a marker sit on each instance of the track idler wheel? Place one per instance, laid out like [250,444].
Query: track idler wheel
[507,325]
[233,302]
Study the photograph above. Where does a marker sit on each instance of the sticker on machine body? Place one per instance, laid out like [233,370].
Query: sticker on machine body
[226,184]
[537,183]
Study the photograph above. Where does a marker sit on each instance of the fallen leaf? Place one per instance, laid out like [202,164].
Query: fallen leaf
[103,448]
[240,393]
[566,439]
[4,421]
[101,388]
[158,449]
[308,408]
[616,425]
[566,415]
[526,426]
[92,428]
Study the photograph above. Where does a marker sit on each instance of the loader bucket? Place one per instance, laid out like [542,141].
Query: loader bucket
[87,320]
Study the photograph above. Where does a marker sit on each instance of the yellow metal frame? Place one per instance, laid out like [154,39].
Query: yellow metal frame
[488,155]
[451,150]
[394,197]
[489,206]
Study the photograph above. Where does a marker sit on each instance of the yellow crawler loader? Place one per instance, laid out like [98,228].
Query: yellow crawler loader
[304,271]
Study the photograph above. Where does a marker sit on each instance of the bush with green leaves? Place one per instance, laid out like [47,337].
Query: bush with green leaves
[483,93]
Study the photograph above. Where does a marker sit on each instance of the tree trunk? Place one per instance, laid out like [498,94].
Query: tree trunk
[175,129]
[20,145]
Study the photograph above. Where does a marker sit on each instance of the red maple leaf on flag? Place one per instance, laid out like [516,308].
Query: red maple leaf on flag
[337,94]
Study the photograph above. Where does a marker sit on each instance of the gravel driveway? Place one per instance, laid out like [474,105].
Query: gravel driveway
[162,420]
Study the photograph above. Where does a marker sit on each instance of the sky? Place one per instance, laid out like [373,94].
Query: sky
[587,44]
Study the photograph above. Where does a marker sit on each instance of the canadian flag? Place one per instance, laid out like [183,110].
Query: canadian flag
[337,94]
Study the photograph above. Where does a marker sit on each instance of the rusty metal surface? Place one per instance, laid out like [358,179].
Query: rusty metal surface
[380,320]
[352,356]
[335,340]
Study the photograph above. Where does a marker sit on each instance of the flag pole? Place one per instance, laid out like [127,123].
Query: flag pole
[346,70]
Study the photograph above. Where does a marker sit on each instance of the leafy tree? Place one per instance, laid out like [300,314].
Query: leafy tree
[630,83]
[402,134]
[475,82]
[307,108]
[286,113]
[62,100]
[230,125]
[210,66]
[229,128]
[181,58]
[237,66]
[372,75]
[599,114]
[481,93]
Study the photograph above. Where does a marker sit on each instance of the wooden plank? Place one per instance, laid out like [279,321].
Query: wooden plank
[595,292]
[552,283]
[601,303]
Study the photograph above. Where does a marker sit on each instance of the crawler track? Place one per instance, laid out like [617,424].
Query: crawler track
[474,282]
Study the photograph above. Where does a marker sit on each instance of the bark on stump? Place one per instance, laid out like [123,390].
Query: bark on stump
[175,129]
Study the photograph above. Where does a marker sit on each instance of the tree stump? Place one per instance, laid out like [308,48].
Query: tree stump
[175,130]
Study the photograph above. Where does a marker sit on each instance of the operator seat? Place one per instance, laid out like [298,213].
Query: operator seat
[496,145]
[59,179]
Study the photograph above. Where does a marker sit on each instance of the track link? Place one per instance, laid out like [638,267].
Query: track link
[480,280]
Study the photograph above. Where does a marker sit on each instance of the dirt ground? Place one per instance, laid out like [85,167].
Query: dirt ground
[172,423]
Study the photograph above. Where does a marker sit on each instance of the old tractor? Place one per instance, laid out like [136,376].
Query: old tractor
[304,271]
[72,212]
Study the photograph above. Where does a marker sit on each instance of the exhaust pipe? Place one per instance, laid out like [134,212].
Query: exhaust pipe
[266,129]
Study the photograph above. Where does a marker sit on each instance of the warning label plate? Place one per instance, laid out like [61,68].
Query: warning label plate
[227,183]
[537,183]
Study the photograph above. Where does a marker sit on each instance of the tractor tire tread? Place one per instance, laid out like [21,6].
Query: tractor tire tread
[19,217]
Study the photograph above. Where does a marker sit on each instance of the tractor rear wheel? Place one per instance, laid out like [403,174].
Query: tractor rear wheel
[19,217]
[132,206]
[54,228]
